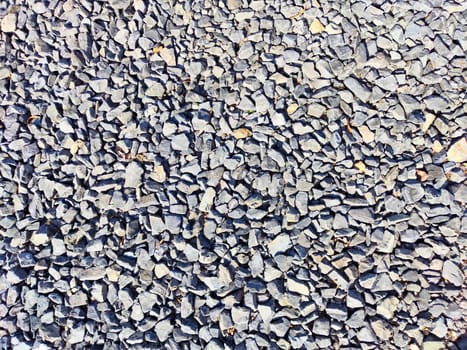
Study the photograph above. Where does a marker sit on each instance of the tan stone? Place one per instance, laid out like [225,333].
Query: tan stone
[436,147]
[429,119]
[242,133]
[292,108]
[458,151]
[388,307]
[39,238]
[367,135]
[316,26]
[168,55]
[112,274]
[380,330]
[159,174]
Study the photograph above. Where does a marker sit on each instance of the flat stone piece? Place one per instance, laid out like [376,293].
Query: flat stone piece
[156,89]
[279,244]
[207,199]
[99,85]
[168,55]
[436,103]
[358,88]
[362,215]
[180,142]
[388,83]
[92,274]
[8,24]
[297,286]
[387,307]
[133,175]
[458,151]
[246,50]
[39,238]
[367,135]
[321,326]
[452,273]
[232,174]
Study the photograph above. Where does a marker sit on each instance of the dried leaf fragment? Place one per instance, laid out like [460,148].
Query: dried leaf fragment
[422,175]
[31,118]
[141,157]
[316,26]
[122,154]
[299,13]
[458,151]
[360,166]
[230,331]
[157,49]
[349,126]
[242,133]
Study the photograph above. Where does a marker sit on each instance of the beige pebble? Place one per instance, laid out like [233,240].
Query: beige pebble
[316,26]
[458,151]
[168,55]
[367,135]
[436,147]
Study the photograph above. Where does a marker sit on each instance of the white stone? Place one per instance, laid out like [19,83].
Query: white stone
[297,287]
[39,238]
[279,244]
[387,307]
[163,330]
[168,55]
[8,24]
[207,200]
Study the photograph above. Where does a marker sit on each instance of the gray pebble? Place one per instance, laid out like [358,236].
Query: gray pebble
[321,326]
[180,142]
[99,85]
[436,103]
[362,215]
[358,89]
[246,50]
[163,329]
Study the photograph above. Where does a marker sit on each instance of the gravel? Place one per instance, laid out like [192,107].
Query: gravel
[233,174]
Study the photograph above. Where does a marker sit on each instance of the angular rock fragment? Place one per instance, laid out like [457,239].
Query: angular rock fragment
[358,89]
[207,199]
[458,151]
[387,307]
[168,55]
[452,273]
[163,330]
[133,175]
[279,244]
[8,23]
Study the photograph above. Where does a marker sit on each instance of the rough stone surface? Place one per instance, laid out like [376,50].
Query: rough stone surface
[232,174]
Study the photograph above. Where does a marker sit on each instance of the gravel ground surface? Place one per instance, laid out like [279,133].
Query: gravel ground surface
[233,175]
